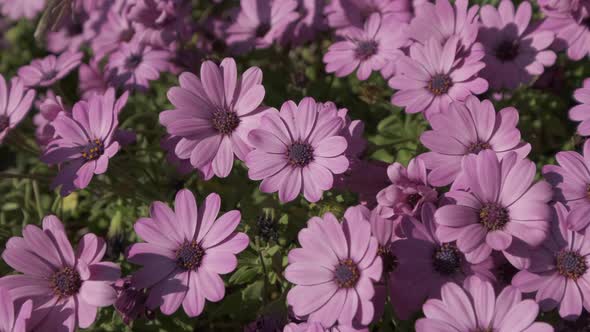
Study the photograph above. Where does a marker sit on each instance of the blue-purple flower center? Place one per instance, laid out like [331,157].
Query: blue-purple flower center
[346,274]
[4,123]
[478,147]
[93,150]
[493,216]
[446,259]
[225,122]
[507,50]
[189,255]
[300,154]
[389,260]
[440,84]
[262,30]
[49,75]
[133,61]
[571,264]
[66,282]
[366,49]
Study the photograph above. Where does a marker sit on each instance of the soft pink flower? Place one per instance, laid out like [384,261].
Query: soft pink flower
[581,113]
[45,72]
[49,108]
[17,9]
[13,319]
[298,150]
[345,14]
[317,327]
[15,103]
[185,252]
[568,19]
[92,79]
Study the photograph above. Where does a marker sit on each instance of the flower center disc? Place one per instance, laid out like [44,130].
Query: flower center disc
[478,147]
[190,255]
[133,61]
[262,30]
[366,49]
[347,274]
[93,150]
[300,154]
[225,122]
[493,216]
[507,50]
[66,282]
[389,259]
[446,259]
[571,264]
[440,84]
[49,75]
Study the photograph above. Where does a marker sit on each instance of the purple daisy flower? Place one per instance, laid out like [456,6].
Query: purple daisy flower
[433,76]
[66,287]
[345,14]
[425,264]
[515,51]
[502,210]
[131,301]
[298,150]
[334,270]
[213,115]
[441,20]
[92,80]
[476,308]
[559,271]
[369,49]
[408,191]
[581,113]
[310,22]
[10,320]
[85,141]
[259,23]
[49,108]
[571,179]
[185,252]
[317,327]
[45,72]
[465,129]
[15,103]
[569,21]
[22,8]
[134,64]
[109,27]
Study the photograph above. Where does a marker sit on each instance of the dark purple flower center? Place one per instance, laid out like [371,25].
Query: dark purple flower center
[262,30]
[346,274]
[47,76]
[390,261]
[190,255]
[66,282]
[93,150]
[493,216]
[300,154]
[446,259]
[133,61]
[440,84]
[413,199]
[366,49]
[4,123]
[507,50]
[225,122]
[571,264]
[478,147]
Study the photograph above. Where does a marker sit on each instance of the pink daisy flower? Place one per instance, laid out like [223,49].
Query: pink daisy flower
[45,72]
[569,21]
[213,115]
[408,191]
[433,76]
[49,108]
[425,264]
[130,302]
[502,210]
[91,79]
[317,327]
[22,8]
[260,23]
[85,141]
[559,271]
[581,113]
[298,150]
[515,51]
[66,287]
[15,103]
[345,14]
[441,20]
[571,178]
[185,252]
[476,308]
[368,49]
[334,271]
[11,319]
[465,129]
[108,28]
[310,22]
[134,64]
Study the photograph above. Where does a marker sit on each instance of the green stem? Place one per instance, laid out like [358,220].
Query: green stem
[266,282]
[37,199]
